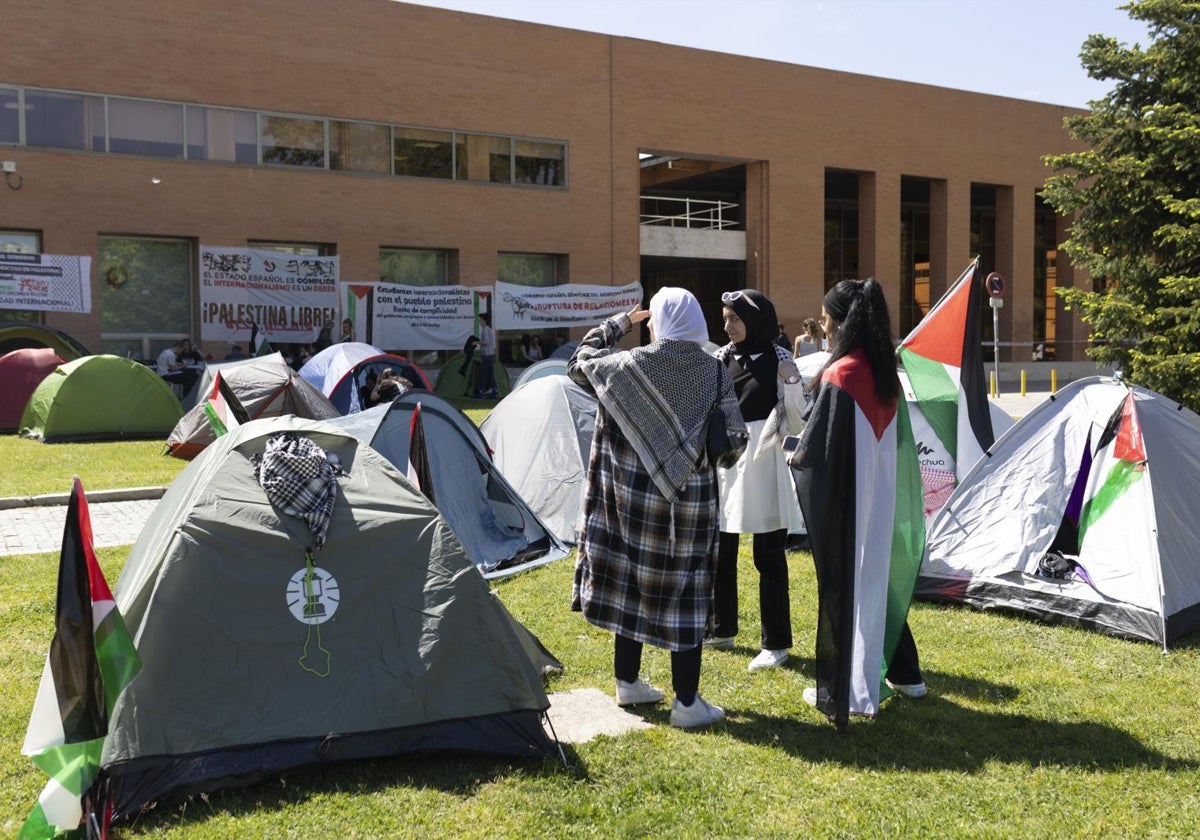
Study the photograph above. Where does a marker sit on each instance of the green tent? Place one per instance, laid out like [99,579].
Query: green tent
[100,398]
[452,383]
[16,335]
[254,662]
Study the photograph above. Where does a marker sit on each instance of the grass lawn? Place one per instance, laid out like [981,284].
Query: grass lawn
[1029,731]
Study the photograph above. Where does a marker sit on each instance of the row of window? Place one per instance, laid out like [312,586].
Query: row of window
[55,119]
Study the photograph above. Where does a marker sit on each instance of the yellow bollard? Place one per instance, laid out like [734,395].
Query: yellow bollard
[1023,383]
[992,383]
[1053,381]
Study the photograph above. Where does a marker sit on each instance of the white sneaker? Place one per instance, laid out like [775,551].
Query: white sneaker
[699,713]
[768,659]
[915,691]
[718,642]
[811,696]
[637,692]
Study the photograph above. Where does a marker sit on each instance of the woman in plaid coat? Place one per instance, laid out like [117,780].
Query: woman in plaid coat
[649,530]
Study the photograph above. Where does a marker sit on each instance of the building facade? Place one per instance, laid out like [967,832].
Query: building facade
[434,147]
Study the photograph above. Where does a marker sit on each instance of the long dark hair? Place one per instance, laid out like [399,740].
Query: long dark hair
[861,311]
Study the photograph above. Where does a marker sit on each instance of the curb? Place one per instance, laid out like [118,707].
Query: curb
[129,494]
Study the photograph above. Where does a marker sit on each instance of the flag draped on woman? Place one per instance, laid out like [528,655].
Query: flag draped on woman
[90,662]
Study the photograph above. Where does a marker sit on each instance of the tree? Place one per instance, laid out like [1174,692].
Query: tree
[1135,195]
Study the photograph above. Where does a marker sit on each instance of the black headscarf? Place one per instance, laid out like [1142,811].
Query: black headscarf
[758,314]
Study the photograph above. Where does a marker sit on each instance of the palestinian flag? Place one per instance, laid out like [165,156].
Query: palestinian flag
[258,348]
[859,486]
[90,662]
[419,471]
[223,409]
[1120,464]
[943,361]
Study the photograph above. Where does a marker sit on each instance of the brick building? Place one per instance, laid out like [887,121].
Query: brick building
[430,146]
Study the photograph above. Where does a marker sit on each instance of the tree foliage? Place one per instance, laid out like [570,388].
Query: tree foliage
[1135,195]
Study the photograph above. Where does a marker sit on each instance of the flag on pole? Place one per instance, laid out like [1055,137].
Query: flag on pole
[419,471]
[943,360]
[90,662]
[224,410]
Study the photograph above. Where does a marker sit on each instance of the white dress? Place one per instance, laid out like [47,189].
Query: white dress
[757,493]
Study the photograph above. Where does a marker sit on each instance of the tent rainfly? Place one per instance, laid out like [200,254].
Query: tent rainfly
[21,371]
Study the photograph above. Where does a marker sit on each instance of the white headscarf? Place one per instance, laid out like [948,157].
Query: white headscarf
[675,313]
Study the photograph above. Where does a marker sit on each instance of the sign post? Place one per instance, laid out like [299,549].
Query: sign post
[994,284]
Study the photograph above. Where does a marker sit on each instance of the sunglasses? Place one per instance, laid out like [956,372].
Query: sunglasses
[729,297]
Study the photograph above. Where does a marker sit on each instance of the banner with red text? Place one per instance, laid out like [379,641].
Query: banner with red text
[45,282]
[288,296]
[569,305]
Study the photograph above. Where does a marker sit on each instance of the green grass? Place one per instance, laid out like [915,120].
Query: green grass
[1029,730]
[32,467]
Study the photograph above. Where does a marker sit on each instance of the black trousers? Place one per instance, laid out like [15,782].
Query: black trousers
[770,558]
[905,667]
[685,667]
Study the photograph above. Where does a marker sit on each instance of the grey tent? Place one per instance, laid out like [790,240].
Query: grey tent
[265,386]
[204,382]
[256,660]
[1083,513]
[540,436]
[500,532]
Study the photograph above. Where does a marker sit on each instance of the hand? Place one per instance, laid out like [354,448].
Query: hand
[788,371]
[637,314]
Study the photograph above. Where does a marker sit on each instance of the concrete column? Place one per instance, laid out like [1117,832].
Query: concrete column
[1014,261]
[879,234]
[949,233]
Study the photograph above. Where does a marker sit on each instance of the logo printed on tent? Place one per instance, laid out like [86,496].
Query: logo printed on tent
[313,597]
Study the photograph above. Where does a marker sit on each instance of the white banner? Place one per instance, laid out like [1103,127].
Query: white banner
[527,308]
[289,297]
[423,317]
[46,282]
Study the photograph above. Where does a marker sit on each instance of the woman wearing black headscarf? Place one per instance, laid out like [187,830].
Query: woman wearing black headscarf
[757,494]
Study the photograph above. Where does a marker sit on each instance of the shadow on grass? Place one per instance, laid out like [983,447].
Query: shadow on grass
[459,774]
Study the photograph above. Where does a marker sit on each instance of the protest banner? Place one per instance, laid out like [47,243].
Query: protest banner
[528,308]
[45,282]
[423,317]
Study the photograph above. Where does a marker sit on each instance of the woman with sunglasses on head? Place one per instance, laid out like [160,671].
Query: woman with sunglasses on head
[644,568]
[859,485]
[757,495]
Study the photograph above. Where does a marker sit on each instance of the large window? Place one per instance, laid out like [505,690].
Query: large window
[983,243]
[145,298]
[221,134]
[293,141]
[483,157]
[529,269]
[124,125]
[1045,280]
[359,147]
[55,120]
[422,153]
[142,127]
[914,253]
[296,249]
[414,267]
[841,227]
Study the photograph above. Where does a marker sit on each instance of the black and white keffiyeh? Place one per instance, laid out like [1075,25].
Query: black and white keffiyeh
[300,479]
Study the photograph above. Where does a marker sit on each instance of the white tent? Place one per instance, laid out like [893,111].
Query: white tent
[1084,513]
[540,436]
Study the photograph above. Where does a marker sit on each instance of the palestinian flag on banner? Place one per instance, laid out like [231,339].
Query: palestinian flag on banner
[223,409]
[943,360]
[1120,463]
[90,662]
[859,485]
[419,470]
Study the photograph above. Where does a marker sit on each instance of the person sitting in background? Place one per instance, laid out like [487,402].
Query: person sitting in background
[172,367]
[367,389]
[236,354]
[190,355]
[389,386]
[535,349]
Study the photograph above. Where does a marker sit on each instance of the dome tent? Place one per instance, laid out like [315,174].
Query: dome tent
[340,370]
[540,437]
[398,646]
[265,387]
[21,371]
[452,383]
[1082,513]
[100,398]
[15,335]
[499,531]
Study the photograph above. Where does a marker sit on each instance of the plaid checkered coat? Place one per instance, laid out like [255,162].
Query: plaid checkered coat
[645,564]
